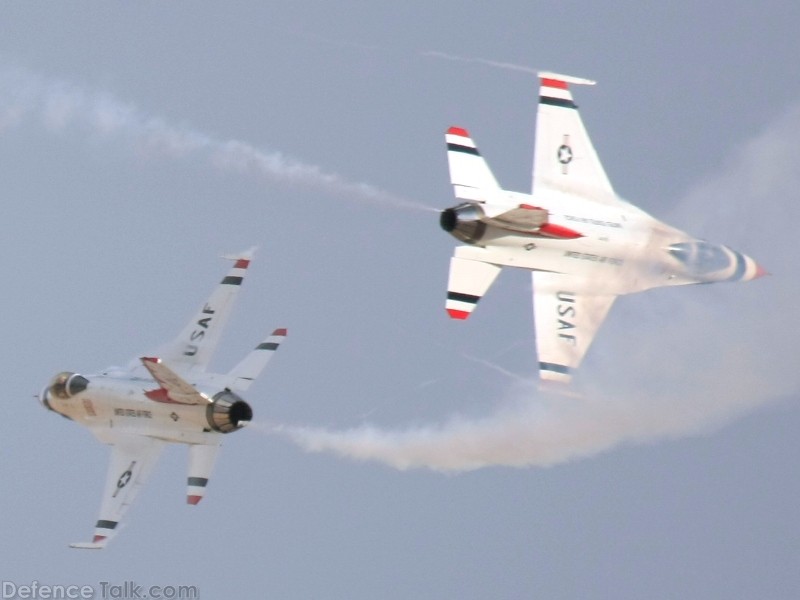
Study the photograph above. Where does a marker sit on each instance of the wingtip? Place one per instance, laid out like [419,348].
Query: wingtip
[460,315]
[193,499]
[245,255]
[281,331]
[98,543]
[458,131]
[564,79]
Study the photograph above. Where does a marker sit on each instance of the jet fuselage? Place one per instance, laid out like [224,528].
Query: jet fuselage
[107,402]
[610,250]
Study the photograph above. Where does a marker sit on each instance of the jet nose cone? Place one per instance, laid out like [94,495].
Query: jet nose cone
[752,269]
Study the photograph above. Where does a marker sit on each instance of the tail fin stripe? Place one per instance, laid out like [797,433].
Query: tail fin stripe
[461,148]
[562,102]
[459,297]
[546,366]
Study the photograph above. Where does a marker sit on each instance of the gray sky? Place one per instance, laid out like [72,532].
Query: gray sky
[141,141]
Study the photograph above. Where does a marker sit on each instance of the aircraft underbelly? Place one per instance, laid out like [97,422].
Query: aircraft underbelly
[606,266]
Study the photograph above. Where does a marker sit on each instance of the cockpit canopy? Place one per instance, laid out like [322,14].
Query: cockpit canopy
[701,258]
[67,384]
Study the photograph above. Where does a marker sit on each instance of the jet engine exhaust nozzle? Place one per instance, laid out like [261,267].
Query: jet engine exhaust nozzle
[448,219]
[464,222]
[228,412]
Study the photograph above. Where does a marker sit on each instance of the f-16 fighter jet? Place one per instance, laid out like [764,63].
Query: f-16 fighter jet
[169,398]
[583,244]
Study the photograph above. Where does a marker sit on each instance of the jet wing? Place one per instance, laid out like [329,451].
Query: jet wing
[193,347]
[566,319]
[172,388]
[132,460]
[564,157]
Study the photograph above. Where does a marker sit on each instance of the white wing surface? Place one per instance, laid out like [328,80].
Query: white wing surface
[192,349]
[564,158]
[566,319]
[132,460]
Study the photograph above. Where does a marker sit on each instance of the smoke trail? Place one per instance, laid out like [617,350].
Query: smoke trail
[669,363]
[480,61]
[61,106]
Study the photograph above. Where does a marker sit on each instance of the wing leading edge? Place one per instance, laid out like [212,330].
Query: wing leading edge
[132,460]
[194,346]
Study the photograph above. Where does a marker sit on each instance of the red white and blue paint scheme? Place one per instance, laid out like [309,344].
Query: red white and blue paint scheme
[583,244]
[165,399]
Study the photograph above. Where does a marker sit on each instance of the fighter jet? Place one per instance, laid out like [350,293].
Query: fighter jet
[583,244]
[168,398]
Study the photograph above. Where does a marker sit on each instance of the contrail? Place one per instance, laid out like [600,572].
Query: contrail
[668,363]
[61,106]
[480,61]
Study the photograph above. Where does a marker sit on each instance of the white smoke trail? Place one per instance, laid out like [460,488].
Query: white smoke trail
[61,106]
[673,362]
[480,61]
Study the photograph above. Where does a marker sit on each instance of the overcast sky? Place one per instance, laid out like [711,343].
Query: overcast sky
[141,141]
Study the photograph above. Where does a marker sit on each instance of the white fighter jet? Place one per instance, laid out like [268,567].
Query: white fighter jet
[165,399]
[584,244]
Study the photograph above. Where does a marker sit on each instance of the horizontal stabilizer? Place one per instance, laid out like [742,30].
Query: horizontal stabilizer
[469,172]
[247,371]
[201,462]
[468,282]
